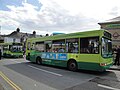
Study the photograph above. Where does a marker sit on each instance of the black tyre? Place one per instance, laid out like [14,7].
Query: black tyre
[39,60]
[72,65]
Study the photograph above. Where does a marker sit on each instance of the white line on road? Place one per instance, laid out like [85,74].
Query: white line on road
[45,71]
[16,61]
[100,85]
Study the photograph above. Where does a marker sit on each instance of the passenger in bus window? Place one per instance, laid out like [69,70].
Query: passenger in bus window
[96,45]
[61,49]
[90,47]
[71,48]
[48,48]
[75,50]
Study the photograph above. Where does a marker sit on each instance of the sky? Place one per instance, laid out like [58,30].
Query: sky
[48,16]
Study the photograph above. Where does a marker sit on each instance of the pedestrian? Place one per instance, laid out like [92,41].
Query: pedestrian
[117,60]
[114,50]
[0,54]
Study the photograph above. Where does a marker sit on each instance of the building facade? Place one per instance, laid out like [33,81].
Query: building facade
[11,39]
[17,37]
[113,26]
[1,39]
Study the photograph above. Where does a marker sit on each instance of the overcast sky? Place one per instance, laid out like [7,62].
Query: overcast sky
[47,16]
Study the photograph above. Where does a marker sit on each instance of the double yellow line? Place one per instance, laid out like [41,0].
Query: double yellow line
[9,81]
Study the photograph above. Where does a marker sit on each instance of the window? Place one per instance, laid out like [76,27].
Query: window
[16,48]
[48,46]
[89,45]
[29,45]
[33,46]
[106,47]
[14,40]
[72,45]
[58,46]
[5,47]
[39,46]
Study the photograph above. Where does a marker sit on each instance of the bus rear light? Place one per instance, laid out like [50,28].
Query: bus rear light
[103,64]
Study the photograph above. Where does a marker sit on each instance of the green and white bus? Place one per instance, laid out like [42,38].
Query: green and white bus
[12,50]
[89,50]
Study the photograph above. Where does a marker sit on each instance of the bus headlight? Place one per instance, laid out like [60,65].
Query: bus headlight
[103,64]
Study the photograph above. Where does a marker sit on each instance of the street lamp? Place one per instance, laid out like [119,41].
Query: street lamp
[0,29]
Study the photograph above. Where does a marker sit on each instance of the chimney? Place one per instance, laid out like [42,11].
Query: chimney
[18,30]
[34,33]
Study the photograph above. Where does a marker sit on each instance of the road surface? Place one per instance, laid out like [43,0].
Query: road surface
[19,74]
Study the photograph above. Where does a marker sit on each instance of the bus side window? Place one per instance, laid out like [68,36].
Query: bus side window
[28,46]
[72,45]
[33,46]
[58,46]
[89,45]
[39,46]
[48,46]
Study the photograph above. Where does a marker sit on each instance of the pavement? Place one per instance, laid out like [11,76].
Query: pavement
[1,88]
[115,67]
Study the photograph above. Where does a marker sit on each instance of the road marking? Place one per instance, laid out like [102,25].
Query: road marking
[45,71]
[9,81]
[104,86]
[15,61]
[35,85]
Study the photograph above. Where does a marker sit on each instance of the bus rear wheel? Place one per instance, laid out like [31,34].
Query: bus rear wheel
[39,60]
[72,65]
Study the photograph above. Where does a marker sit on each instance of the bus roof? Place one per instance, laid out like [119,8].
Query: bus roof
[71,35]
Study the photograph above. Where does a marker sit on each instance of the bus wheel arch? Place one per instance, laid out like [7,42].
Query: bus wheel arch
[39,60]
[72,65]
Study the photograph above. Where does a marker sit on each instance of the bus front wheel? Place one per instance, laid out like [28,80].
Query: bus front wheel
[72,65]
[39,60]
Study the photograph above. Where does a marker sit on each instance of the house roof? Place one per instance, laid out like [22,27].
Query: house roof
[16,34]
[113,20]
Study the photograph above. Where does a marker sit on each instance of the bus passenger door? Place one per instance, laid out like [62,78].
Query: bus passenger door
[89,53]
